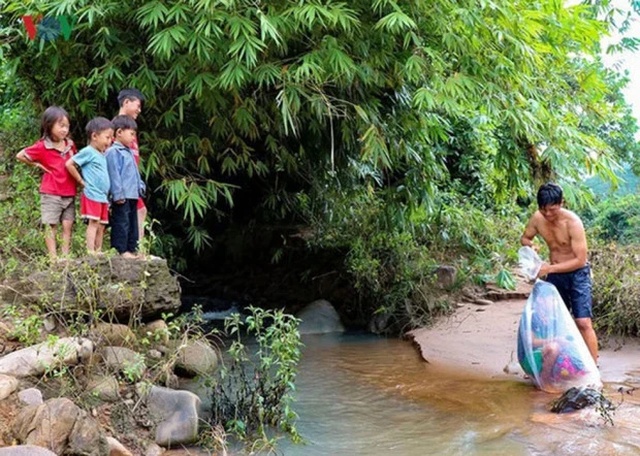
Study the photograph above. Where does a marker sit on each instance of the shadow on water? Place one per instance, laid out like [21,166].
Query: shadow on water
[361,395]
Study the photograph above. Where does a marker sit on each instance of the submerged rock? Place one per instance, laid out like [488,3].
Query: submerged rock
[319,317]
[579,398]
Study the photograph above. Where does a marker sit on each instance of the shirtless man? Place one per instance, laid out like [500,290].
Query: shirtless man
[569,271]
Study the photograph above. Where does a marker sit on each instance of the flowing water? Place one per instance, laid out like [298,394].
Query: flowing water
[360,395]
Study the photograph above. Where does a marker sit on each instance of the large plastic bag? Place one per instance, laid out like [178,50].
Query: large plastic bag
[550,347]
[529,261]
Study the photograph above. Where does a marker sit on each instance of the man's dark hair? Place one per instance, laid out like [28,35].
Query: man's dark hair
[124,123]
[98,124]
[49,118]
[549,194]
[129,94]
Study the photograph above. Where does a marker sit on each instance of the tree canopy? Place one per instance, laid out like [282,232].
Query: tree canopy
[303,108]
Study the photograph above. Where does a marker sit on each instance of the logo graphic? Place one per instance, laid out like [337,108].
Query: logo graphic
[48,28]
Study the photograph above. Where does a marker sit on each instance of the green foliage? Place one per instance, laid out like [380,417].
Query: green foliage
[270,97]
[25,326]
[393,251]
[254,392]
[616,219]
[616,289]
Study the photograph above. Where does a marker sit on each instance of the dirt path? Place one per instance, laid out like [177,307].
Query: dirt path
[482,339]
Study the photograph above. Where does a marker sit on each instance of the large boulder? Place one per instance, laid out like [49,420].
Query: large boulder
[62,427]
[121,287]
[196,357]
[176,413]
[319,317]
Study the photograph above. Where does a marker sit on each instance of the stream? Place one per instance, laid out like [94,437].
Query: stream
[364,395]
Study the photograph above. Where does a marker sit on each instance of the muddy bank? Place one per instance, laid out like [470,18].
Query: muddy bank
[482,340]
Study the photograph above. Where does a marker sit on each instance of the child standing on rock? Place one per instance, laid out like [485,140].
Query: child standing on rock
[126,187]
[58,189]
[94,202]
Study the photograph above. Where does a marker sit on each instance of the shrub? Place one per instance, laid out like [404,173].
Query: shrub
[616,289]
[254,391]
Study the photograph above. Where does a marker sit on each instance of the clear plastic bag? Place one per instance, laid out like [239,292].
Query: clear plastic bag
[550,347]
[529,261]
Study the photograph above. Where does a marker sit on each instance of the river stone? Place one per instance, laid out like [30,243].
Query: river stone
[114,334]
[446,276]
[116,448]
[196,357]
[175,411]
[8,385]
[319,317]
[25,450]
[577,398]
[118,359]
[31,396]
[157,331]
[124,288]
[104,387]
[35,360]
[153,449]
[62,427]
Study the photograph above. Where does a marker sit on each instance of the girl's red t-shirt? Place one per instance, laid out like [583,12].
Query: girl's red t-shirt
[57,181]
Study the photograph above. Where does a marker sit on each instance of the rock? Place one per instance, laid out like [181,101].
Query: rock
[176,413]
[577,398]
[106,388]
[114,335]
[196,357]
[446,276]
[62,427]
[482,302]
[31,396]
[124,288]
[7,331]
[50,324]
[25,450]
[157,331]
[121,359]
[200,388]
[154,450]
[8,385]
[36,359]
[116,448]
[319,317]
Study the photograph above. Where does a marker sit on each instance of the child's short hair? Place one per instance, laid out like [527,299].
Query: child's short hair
[123,122]
[98,124]
[129,94]
[49,118]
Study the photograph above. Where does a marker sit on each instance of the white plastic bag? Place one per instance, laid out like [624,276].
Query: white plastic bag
[529,261]
[551,349]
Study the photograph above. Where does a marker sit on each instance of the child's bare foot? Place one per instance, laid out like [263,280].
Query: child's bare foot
[129,255]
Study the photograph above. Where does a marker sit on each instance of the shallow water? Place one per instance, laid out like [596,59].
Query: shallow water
[360,395]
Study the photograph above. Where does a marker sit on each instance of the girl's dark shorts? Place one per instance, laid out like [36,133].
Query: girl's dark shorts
[575,289]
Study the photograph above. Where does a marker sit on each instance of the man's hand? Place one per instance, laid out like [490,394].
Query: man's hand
[544,270]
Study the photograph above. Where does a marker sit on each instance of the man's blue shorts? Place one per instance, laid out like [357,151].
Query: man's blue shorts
[575,289]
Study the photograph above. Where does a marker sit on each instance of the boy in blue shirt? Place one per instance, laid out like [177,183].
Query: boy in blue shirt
[126,187]
[94,202]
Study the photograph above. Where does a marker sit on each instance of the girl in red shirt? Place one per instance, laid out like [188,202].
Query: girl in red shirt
[58,188]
